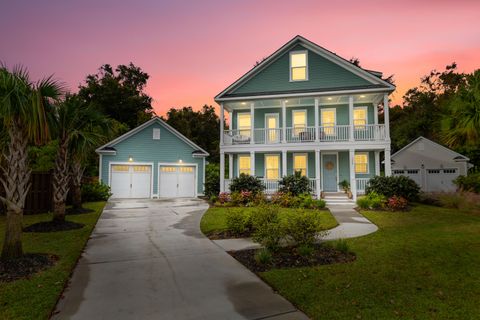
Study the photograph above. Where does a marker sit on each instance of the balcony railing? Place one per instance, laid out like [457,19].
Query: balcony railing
[272,185]
[361,184]
[339,133]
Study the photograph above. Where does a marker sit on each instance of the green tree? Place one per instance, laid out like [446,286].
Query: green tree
[119,94]
[202,127]
[25,108]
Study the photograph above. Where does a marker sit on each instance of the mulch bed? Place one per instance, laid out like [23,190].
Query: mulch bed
[227,234]
[25,266]
[52,226]
[287,257]
[72,211]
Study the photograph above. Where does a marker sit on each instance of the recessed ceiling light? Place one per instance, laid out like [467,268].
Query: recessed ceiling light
[329,98]
[244,103]
[286,101]
[362,96]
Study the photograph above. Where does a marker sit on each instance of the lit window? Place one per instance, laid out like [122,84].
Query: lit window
[298,66]
[361,163]
[272,167]
[244,124]
[299,121]
[300,163]
[186,169]
[328,121]
[243,164]
[168,169]
[360,117]
[141,168]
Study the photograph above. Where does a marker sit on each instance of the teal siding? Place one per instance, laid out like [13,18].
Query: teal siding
[343,166]
[322,74]
[142,148]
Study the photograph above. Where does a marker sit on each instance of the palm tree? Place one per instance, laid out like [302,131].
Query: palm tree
[25,108]
[462,126]
[77,129]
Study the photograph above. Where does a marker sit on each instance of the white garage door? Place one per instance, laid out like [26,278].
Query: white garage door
[441,180]
[177,181]
[414,174]
[131,181]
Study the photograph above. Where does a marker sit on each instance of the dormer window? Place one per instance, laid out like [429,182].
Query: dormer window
[298,66]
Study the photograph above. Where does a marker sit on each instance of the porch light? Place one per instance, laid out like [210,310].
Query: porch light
[130,159]
[180,161]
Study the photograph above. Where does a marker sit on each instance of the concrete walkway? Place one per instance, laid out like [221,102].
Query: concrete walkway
[351,224]
[149,260]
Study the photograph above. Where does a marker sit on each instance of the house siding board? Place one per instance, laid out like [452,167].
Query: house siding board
[259,117]
[343,166]
[322,74]
[142,148]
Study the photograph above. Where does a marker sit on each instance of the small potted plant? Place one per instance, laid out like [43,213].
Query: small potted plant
[345,185]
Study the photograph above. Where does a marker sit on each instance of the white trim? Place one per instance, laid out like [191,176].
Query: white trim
[143,126]
[334,146]
[174,164]
[203,177]
[355,164]
[437,144]
[265,165]
[151,164]
[338,169]
[293,161]
[290,64]
[100,163]
[238,162]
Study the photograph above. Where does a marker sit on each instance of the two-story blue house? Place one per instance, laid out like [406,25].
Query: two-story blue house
[306,109]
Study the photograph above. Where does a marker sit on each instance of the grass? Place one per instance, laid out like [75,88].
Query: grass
[214,220]
[422,264]
[35,298]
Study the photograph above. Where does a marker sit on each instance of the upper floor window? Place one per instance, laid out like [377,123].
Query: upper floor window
[244,123]
[298,66]
[360,117]
[299,119]
[329,120]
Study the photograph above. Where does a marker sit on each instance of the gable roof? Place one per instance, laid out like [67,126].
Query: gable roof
[373,77]
[108,148]
[457,156]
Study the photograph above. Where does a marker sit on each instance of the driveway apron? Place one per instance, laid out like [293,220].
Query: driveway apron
[147,259]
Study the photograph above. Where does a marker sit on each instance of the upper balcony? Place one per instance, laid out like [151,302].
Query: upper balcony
[325,119]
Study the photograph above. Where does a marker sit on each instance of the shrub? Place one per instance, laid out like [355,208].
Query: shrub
[451,200]
[268,229]
[363,203]
[246,182]
[345,185]
[238,222]
[224,197]
[302,227]
[342,245]
[394,186]
[212,179]
[319,204]
[282,199]
[259,199]
[372,200]
[263,256]
[470,182]
[305,250]
[95,191]
[295,184]
[306,201]
[397,203]
[213,199]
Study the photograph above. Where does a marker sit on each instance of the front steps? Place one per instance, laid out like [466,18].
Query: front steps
[337,198]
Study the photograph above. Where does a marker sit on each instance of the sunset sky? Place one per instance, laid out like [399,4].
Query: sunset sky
[194,49]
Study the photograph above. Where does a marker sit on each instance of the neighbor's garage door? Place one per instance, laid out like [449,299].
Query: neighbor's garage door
[413,174]
[177,181]
[441,180]
[131,181]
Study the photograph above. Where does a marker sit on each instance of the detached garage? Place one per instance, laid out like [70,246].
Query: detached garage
[432,166]
[153,161]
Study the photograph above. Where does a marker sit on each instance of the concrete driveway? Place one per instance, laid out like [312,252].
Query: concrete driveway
[147,259]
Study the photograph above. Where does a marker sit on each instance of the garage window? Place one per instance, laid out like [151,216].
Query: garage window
[433,171]
[168,169]
[120,168]
[186,169]
[412,171]
[451,171]
[397,171]
[141,168]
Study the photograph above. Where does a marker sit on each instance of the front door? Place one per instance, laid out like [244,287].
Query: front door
[330,173]
[272,132]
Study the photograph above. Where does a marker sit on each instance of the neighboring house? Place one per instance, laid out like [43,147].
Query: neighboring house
[151,161]
[432,166]
[305,109]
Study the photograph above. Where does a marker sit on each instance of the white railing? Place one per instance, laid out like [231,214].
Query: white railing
[268,136]
[271,185]
[237,136]
[226,185]
[313,185]
[305,134]
[334,133]
[369,132]
[361,184]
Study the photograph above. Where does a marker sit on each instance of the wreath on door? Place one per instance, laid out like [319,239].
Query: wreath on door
[329,165]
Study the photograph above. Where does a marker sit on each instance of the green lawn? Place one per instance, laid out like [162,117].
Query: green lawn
[35,298]
[214,220]
[422,264]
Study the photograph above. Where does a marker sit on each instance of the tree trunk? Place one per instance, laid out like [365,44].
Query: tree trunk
[77,174]
[16,182]
[60,182]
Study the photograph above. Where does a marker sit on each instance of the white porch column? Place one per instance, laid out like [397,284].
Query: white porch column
[252,122]
[222,171]
[284,122]
[230,166]
[375,114]
[222,119]
[230,121]
[388,162]
[353,184]
[317,173]
[350,117]
[284,163]
[316,121]
[252,163]
[377,163]
[386,112]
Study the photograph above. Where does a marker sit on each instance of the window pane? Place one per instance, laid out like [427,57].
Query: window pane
[361,163]
[360,117]
[299,73]
[300,164]
[244,164]
[299,119]
[272,167]
[244,120]
[299,60]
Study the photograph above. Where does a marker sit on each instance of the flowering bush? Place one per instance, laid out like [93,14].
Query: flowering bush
[397,203]
[224,197]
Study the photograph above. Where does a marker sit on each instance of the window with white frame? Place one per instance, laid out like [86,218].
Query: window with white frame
[300,161]
[360,117]
[243,164]
[272,166]
[329,120]
[156,133]
[361,162]
[298,66]
[244,123]
[299,120]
